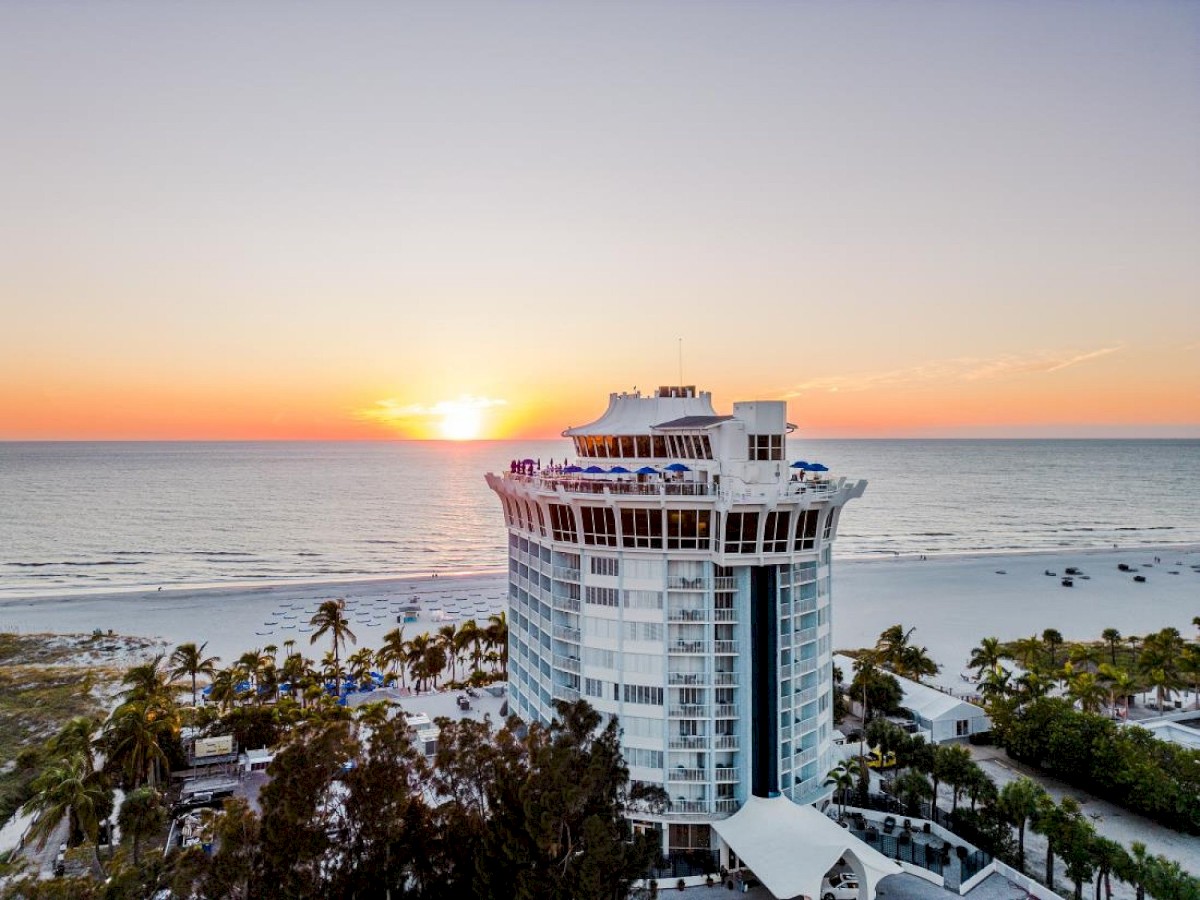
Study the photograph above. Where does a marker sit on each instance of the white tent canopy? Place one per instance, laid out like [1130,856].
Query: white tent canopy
[790,848]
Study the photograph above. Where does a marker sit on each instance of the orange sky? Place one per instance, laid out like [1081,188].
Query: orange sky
[253,222]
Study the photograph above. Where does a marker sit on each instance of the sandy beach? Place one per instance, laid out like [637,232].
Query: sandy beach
[952,601]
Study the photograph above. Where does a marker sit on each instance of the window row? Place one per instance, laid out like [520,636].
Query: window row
[673,529]
[644,446]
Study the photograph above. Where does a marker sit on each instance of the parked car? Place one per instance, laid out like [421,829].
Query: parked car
[840,886]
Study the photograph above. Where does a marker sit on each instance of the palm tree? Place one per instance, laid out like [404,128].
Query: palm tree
[842,780]
[75,739]
[417,658]
[1136,868]
[375,713]
[393,655]
[1019,802]
[1086,690]
[141,814]
[1120,684]
[224,687]
[446,636]
[470,636]
[360,664]
[188,660]
[1113,637]
[911,787]
[330,619]
[132,738]
[995,684]
[496,633]
[1189,666]
[70,788]
[1084,655]
[1107,856]
[149,681]
[986,656]
[1053,639]
[1027,652]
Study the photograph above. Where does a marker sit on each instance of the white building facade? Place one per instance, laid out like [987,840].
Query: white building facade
[677,576]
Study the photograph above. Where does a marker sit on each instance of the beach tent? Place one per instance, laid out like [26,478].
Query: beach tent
[939,715]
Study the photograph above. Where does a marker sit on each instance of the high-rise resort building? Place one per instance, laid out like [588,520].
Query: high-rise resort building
[677,576]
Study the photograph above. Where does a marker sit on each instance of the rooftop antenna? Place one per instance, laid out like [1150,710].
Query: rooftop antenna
[681,362]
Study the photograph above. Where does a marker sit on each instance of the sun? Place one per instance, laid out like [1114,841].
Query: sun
[461,420]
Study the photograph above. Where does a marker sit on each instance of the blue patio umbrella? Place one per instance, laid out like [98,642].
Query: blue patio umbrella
[677,467]
[619,470]
[594,470]
[816,467]
[572,469]
[647,470]
[799,464]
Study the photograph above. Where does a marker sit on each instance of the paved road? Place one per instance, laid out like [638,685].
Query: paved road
[1110,820]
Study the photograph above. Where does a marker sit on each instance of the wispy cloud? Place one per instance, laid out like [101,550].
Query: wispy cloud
[955,369]
[391,411]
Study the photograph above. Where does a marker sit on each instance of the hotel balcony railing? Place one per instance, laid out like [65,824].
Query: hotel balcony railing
[687,615]
[568,604]
[726,742]
[727,711]
[562,692]
[680,774]
[562,573]
[566,633]
[689,647]
[683,807]
[727,806]
[680,583]
[805,756]
[806,606]
[689,711]
[566,663]
[804,666]
[808,695]
[805,635]
[687,678]
[604,484]
[809,784]
[726,774]
[725,679]
[725,583]
[726,646]
[688,742]
[725,615]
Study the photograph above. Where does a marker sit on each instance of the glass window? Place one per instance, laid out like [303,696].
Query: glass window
[599,526]
[806,529]
[641,528]
[688,529]
[775,532]
[741,532]
[562,523]
[765,446]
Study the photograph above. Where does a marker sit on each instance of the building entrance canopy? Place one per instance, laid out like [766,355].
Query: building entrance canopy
[790,848]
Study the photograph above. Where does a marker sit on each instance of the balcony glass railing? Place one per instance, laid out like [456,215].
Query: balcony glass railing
[681,774]
[689,711]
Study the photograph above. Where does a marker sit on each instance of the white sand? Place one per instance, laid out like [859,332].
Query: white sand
[952,601]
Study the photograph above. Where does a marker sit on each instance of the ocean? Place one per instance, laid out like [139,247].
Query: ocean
[79,517]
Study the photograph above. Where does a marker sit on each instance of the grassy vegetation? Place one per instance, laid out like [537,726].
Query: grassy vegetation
[45,680]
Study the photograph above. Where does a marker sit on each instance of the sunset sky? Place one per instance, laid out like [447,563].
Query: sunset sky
[369,220]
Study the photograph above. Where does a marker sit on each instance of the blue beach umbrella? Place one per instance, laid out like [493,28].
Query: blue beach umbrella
[677,467]
[799,464]
[816,467]
[619,470]
[647,470]
[594,470]
[572,469]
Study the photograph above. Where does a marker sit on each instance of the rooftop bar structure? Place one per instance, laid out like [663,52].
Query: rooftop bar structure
[677,575]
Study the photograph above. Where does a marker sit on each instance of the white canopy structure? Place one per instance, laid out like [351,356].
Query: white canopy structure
[939,716]
[790,848]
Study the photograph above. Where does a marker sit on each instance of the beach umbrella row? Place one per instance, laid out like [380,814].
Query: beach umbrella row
[621,470]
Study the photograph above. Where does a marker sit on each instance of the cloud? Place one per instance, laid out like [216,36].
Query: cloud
[955,369]
[391,411]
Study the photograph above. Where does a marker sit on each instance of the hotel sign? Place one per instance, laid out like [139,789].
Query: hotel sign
[213,746]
